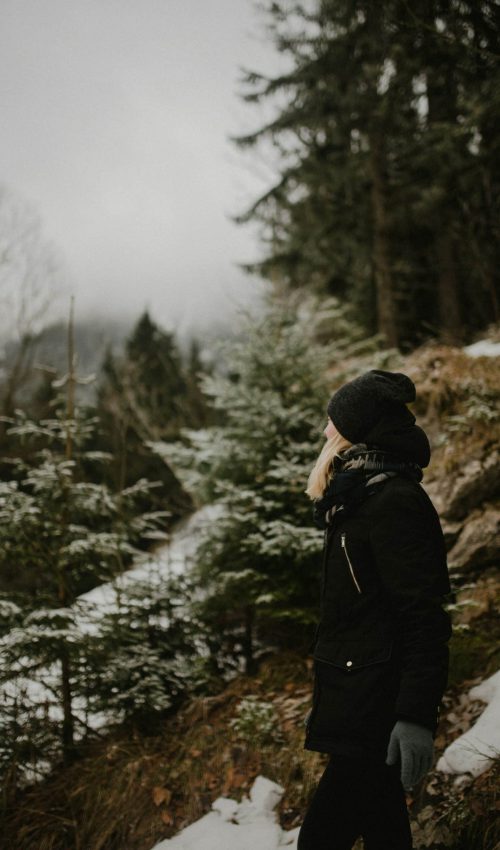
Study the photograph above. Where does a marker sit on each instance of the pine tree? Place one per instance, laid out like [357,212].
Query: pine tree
[76,534]
[63,530]
[71,530]
[387,161]
[154,381]
[257,567]
[145,394]
[147,652]
[196,403]
[330,214]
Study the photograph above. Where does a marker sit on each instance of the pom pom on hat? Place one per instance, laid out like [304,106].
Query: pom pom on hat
[359,404]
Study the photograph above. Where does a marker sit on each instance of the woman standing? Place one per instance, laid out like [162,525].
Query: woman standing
[380,649]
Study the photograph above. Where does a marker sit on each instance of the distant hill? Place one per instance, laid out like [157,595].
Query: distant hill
[92,336]
[91,340]
[49,349]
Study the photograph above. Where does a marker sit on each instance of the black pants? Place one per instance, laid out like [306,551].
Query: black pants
[357,798]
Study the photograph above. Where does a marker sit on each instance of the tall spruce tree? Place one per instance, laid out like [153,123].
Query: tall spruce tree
[383,196]
[144,394]
[154,379]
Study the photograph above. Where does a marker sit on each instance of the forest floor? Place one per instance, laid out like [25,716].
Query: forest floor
[129,790]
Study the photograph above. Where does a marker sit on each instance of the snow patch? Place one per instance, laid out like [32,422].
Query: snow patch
[473,752]
[483,348]
[35,689]
[173,557]
[230,825]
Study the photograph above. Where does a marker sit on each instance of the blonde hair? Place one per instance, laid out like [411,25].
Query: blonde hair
[322,470]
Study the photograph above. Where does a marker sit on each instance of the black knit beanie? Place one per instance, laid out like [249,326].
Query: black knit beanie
[359,404]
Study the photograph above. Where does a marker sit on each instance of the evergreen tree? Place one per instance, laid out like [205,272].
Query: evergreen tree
[63,531]
[257,567]
[75,534]
[154,381]
[383,160]
[54,521]
[146,394]
[147,652]
[196,403]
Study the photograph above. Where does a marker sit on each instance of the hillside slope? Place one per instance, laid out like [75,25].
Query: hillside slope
[129,790]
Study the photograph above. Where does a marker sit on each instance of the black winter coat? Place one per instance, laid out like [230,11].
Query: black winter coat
[380,650]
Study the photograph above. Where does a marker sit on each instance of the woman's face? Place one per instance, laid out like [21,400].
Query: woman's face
[330,430]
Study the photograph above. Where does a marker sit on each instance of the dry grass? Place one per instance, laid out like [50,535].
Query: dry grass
[449,384]
[454,394]
[131,791]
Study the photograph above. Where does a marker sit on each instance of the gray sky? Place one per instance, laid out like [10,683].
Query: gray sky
[115,118]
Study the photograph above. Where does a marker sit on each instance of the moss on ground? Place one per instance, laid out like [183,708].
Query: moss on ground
[475,651]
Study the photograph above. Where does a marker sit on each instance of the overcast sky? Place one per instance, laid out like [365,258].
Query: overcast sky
[115,123]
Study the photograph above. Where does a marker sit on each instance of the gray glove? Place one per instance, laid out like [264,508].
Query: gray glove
[415,745]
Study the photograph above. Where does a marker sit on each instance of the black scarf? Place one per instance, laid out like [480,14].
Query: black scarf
[355,478]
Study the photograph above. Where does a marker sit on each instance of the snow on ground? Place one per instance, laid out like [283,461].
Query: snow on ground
[473,752]
[249,825]
[38,693]
[483,348]
[172,558]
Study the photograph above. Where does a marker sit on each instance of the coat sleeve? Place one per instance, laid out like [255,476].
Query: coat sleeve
[410,556]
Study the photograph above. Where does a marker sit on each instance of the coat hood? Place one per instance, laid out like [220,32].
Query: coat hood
[396,432]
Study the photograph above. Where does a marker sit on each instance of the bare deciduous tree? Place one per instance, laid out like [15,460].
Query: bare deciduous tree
[31,285]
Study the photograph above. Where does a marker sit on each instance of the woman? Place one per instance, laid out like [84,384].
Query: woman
[380,649]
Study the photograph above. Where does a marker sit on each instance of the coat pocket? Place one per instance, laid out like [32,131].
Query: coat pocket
[357,687]
[352,655]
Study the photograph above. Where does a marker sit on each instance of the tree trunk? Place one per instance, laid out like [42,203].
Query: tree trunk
[441,89]
[68,737]
[491,287]
[449,308]
[248,641]
[17,374]
[387,319]
[68,729]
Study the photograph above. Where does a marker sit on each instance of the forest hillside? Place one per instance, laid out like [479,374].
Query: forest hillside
[134,786]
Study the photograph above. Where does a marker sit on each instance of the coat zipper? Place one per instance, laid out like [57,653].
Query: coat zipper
[344,547]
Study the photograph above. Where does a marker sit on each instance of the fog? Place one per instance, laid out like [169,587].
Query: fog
[116,117]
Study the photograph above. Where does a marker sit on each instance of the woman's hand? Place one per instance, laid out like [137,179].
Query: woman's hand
[414,745]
